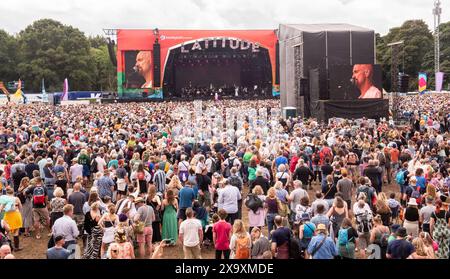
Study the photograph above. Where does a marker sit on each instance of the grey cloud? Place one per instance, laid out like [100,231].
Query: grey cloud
[91,16]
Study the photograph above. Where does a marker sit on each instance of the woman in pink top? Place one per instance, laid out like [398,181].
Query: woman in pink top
[222,231]
[257,218]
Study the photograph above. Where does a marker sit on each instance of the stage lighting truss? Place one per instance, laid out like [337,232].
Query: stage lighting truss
[110,33]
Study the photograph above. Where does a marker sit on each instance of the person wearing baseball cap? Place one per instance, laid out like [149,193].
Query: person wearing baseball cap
[58,252]
[321,245]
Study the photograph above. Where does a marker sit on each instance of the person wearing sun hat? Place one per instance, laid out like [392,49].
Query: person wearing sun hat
[411,222]
[321,245]
[146,216]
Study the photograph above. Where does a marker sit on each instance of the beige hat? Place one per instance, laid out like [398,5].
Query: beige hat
[412,201]
[321,227]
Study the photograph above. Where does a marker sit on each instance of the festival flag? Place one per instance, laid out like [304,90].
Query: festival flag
[19,92]
[422,82]
[439,81]
[18,96]
[44,94]
[65,95]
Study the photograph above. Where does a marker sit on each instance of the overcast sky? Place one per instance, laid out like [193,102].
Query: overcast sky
[90,16]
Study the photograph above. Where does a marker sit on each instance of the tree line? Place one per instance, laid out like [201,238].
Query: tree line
[416,54]
[50,50]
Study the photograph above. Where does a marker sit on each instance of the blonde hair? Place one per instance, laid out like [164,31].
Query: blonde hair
[58,192]
[329,178]
[382,197]
[278,185]
[258,190]
[420,246]
[112,209]
[426,237]
[431,190]
[95,205]
[377,219]
[175,182]
[67,209]
[239,228]
[271,193]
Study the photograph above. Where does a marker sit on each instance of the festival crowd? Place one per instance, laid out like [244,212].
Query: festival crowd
[125,181]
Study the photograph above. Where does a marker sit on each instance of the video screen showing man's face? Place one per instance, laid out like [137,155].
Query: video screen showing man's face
[363,79]
[138,69]
[359,81]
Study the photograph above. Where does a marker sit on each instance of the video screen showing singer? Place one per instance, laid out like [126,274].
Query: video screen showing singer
[363,79]
[143,67]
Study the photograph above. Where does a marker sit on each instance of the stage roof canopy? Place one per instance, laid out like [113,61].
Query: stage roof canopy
[326,27]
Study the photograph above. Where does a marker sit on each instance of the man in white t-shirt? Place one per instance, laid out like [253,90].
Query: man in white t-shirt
[101,163]
[191,235]
[200,165]
[75,170]
[297,194]
[210,161]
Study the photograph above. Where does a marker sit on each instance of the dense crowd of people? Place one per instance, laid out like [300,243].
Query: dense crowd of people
[127,180]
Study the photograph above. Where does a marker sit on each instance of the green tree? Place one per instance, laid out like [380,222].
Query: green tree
[418,41]
[97,41]
[428,63]
[8,57]
[53,51]
[105,72]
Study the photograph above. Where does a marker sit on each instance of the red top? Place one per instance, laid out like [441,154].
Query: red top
[222,230]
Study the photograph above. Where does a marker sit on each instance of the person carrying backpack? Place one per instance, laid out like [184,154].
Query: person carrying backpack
[367,190]
[40,201]
[240,243]
[321,245]
[232,161]
[281,240]
[363,215]
[412,191]
[347,239]
[402,179]
[380,235]
[255,204]
[306,232]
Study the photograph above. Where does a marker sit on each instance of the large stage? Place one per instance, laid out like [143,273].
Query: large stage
[323,70]
[196,63]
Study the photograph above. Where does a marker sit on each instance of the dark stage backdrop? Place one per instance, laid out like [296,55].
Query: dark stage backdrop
[218,75]
[373,108]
